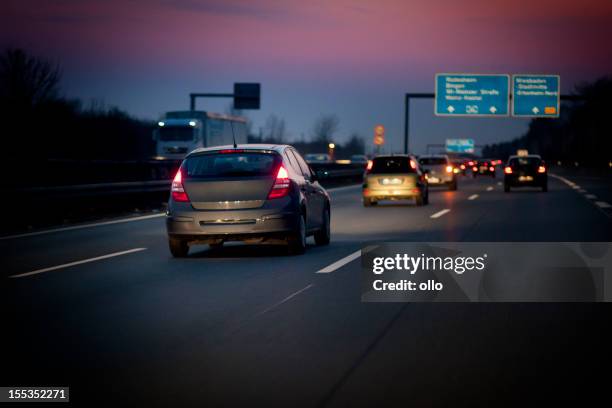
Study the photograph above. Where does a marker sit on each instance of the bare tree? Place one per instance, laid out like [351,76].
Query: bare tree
[325,127]
[275,129]
[26,81]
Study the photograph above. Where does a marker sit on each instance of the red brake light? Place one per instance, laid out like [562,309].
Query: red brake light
[541,169]
[177,190]
[491,168]
[474,168]
[231,151]
[470,163]
[449,169]
[463,167]
[369,165]
[508,170]
[281,184]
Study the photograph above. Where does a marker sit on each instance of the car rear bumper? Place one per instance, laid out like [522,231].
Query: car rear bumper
[245,225]
[391,193]
[514,181]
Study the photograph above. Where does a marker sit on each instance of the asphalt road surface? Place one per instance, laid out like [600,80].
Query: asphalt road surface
[106,310]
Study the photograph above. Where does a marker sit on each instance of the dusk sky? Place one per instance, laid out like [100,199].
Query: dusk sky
[355,59]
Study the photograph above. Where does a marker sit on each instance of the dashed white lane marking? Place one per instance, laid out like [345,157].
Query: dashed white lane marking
[489,188]
[602,204]
[76,227]
[440,213]
[340,263]
[349,258]
[582,190]
[576,187]
[291,296]
[473,197]
[67,265]
[499,183]
[591,196]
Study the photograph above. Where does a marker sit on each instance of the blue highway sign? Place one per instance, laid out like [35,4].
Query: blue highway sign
[472,95]
[460,145]
[535,95]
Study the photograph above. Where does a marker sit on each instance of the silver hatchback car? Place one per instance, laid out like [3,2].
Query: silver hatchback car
[253,193]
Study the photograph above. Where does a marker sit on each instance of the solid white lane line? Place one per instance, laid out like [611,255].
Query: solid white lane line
[473,197]
[339,264]
[489,188]
[67,265]
[591,196]
[76,227]
[576,187]
[439,213]
[291,296]
[602,204]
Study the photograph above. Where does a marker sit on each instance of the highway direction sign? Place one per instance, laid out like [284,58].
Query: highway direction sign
[472,95]
[460,145]
[535,95]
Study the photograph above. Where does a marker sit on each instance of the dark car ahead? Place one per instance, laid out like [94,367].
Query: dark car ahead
[484,167]
[253,193]
[523,171]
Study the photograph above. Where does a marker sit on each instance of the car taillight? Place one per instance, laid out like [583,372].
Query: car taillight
[281,184]
[491,168]
[541,169]
[508,170]
[226,151]
[412,164]
[474,168]
[463,167]
[471,163]
[177,190]
[449,169]
[369,165]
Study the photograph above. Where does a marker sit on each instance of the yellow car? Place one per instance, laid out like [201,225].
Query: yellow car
[397,177]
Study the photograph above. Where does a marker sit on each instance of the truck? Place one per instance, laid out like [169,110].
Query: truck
[179,132]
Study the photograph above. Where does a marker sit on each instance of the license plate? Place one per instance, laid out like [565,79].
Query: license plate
[391,181]
[433,179]
[525,178]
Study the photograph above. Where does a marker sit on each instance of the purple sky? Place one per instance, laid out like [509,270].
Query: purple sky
[352,58]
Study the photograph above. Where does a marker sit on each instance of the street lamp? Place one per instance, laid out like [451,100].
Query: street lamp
[330,151]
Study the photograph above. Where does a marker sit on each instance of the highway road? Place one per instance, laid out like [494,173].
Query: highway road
[105,310]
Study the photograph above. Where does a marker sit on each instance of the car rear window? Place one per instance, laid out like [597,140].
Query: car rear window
[388,165]
[243,164]
[525,161]
[430,161]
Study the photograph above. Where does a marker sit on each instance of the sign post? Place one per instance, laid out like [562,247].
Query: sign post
[472,95]
[535,96]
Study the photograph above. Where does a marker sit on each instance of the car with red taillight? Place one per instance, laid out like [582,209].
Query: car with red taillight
[440,171]
[253,193]
[484,167]
[396,177]
[525,171]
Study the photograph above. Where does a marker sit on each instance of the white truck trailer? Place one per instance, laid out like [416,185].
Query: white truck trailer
[178,133]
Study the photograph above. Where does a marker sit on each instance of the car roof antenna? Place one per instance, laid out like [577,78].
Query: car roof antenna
[233,135]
